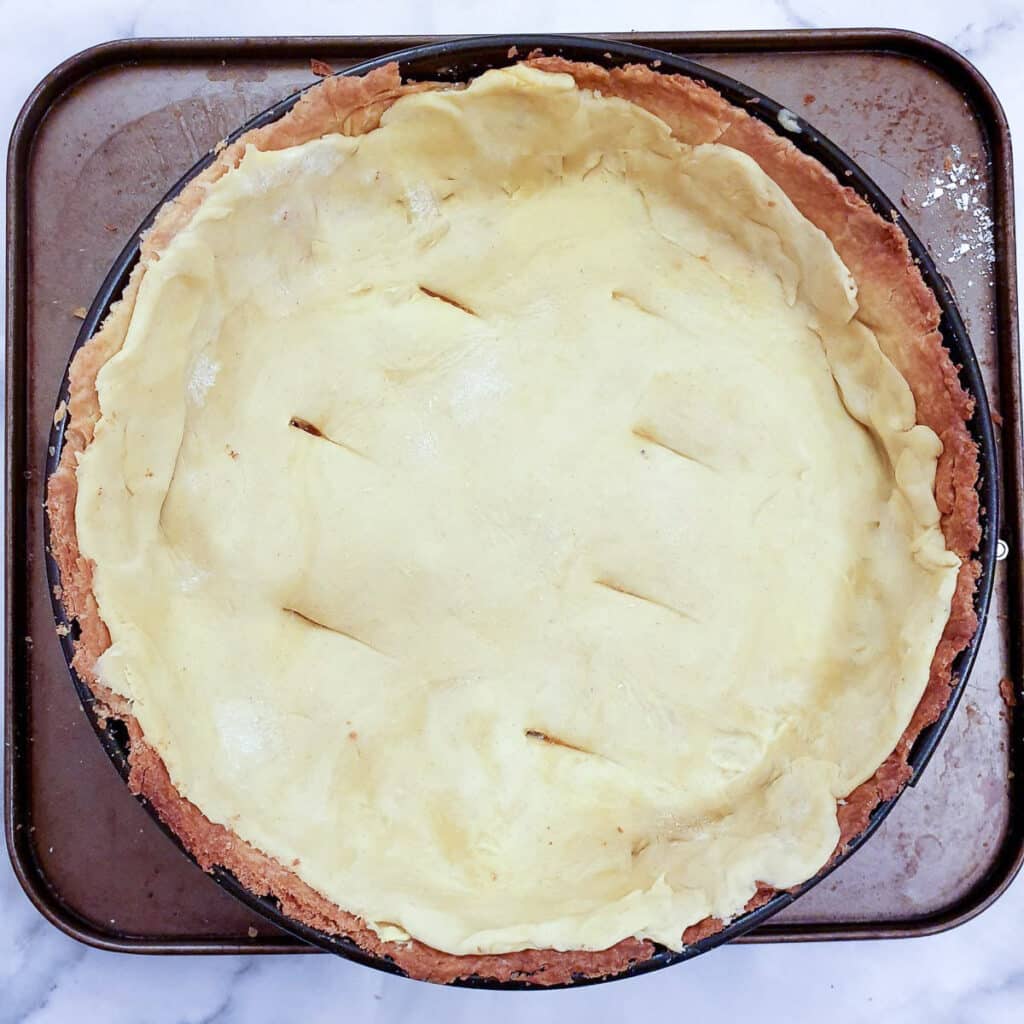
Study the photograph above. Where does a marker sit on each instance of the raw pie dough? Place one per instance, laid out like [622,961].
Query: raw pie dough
[503,520]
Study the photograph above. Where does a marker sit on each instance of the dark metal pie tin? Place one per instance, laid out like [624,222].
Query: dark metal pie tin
[460,60]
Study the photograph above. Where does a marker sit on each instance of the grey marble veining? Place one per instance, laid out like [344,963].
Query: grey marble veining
[972,975]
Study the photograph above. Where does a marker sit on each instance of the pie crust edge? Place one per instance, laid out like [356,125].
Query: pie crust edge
[894,301]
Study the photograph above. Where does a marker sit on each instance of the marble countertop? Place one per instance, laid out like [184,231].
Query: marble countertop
[971,975]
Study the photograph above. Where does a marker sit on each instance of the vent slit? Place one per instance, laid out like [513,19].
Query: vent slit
[619,589]
[536,734]
[298,423]
[316,624]
[645,435]
[441,297]
[628,300]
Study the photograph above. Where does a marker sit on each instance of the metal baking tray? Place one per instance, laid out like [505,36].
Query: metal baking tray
[459,60]
[95,148]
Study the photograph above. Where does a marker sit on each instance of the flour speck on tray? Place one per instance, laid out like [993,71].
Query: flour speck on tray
[958,184]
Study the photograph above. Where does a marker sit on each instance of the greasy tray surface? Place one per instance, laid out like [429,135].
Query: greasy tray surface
[174,115]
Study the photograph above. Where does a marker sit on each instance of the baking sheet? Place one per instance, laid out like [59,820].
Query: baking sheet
[101,144]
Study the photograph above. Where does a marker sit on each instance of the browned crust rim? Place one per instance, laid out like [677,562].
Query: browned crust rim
[894,301]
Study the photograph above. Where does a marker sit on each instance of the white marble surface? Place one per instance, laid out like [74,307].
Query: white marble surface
[973,975]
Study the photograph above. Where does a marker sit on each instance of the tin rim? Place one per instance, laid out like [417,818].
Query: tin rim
[459,60]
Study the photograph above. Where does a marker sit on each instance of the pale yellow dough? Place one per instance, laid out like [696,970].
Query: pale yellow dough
[618,587]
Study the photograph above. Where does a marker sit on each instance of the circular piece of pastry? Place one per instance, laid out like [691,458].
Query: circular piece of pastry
[519,523]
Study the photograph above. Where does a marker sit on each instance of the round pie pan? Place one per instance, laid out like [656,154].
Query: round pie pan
[459,61]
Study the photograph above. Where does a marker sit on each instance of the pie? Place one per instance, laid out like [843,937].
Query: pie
[519,523]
